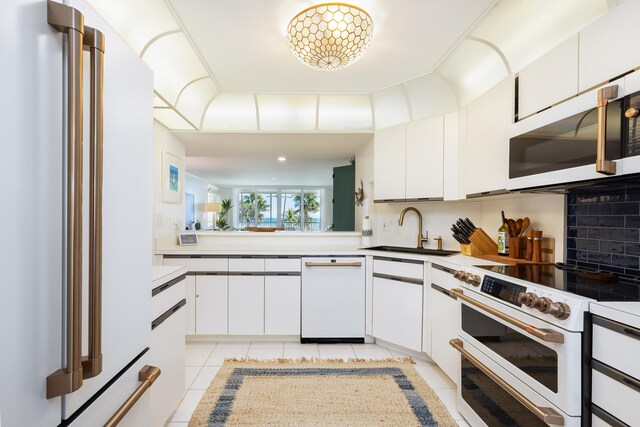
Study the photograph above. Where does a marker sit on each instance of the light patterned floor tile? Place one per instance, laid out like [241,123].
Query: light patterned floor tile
[196,356]
[218,355]
[265,353]
[201,344]
[266,344]
[344,353]
[233,344]
[369,346]
[204,378]
[291,344]
[190,374]
[420,361]
[372,353]
[299,353]
[188,405]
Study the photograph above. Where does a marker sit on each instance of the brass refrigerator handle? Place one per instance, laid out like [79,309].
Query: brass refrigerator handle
[94,43]
[148,375]
[333,264]
[70,21]
[543,334]
[604,166]
[547,415]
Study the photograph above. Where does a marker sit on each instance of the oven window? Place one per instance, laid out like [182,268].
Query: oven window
[494,406]
[534,359]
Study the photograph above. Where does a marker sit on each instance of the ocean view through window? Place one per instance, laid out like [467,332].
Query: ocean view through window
[291,210]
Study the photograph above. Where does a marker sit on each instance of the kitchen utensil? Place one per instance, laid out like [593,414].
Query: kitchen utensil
[465,229]
[515,247]
[536,255]
[468,222]
[525,224]
[529,251]
[512,228]
[518,226]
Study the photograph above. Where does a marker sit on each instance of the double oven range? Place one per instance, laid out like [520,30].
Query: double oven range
[524,342]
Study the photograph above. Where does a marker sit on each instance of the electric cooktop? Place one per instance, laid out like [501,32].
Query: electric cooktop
[586,282]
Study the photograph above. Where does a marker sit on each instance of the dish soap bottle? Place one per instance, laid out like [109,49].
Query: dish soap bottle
[503,237]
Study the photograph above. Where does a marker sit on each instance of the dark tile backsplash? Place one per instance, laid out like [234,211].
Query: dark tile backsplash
[603,227]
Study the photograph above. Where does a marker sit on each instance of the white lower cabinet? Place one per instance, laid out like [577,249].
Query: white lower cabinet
[190,285]
[211,304]
[397,312]
[282,305]
[246,305]
[444,327]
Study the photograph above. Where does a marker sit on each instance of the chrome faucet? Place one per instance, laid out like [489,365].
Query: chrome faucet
[421,238]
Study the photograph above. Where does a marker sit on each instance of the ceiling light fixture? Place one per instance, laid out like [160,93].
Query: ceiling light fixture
[330,36]
[282,159]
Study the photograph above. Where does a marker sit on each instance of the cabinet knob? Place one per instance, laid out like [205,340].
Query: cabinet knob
[632,112]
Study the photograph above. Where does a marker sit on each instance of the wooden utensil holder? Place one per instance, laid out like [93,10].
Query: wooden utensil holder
[481,244]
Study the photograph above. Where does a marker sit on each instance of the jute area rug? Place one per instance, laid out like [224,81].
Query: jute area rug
[319,393]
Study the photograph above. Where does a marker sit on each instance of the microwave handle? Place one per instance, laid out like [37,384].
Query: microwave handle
[604,166]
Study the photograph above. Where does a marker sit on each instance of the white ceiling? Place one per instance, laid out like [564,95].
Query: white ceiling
[244,42]
[224,68]
[251,159]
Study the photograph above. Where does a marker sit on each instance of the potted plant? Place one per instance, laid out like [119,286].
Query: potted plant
[198,226]
[222,220]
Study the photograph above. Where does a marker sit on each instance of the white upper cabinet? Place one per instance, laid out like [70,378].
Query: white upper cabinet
[453,131]
[608,47]
[550,79]
[487,152]
[408,160]
[389,163]
[424,157]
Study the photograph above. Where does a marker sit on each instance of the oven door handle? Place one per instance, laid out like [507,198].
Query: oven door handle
[544,334]
[547,415]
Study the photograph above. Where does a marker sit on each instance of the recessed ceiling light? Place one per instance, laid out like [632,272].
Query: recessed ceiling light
[273,179]
[282,158]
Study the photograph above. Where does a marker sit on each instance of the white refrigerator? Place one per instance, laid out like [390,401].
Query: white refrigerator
[50,320]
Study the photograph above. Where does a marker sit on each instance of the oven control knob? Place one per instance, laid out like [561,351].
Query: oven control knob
[632,112]
[473,280]
[461,275]
[542,304]
[559,310]
[527,298]
[458,274]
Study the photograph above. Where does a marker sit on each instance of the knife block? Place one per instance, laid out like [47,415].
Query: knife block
[481,244]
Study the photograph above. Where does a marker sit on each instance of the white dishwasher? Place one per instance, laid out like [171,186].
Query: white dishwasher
[333,300]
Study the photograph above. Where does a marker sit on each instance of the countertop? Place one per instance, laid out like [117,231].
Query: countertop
[161,274]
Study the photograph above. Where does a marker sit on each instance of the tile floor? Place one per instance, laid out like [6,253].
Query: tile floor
[204,359]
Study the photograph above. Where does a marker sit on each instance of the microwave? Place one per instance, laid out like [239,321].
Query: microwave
[592,136]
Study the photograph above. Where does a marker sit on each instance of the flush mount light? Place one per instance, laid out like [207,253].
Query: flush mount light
[282,159]
[330,36]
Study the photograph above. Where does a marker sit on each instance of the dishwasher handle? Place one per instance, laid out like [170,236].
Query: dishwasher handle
[333,264]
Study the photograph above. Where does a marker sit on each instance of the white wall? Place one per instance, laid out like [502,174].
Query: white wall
[545,211]
[168,218]
[364,172]
[199,188]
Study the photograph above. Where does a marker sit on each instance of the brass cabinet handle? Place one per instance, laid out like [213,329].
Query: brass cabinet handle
[148,375]
[92,363]
[543,334]
[604,166]
[333,264]
[70,21]
[547,415]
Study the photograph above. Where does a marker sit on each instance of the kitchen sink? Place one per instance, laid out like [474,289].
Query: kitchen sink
[418,251]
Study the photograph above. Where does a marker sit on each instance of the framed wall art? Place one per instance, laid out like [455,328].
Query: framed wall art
[172,178]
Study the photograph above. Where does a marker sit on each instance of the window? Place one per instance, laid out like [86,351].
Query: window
[293,210]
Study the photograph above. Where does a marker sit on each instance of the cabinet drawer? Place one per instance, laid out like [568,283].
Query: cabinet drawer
[166,299]
[199,264]
[443,277]
[282,264]
[611,393]
[409,269]
[246,264]
[616,345]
